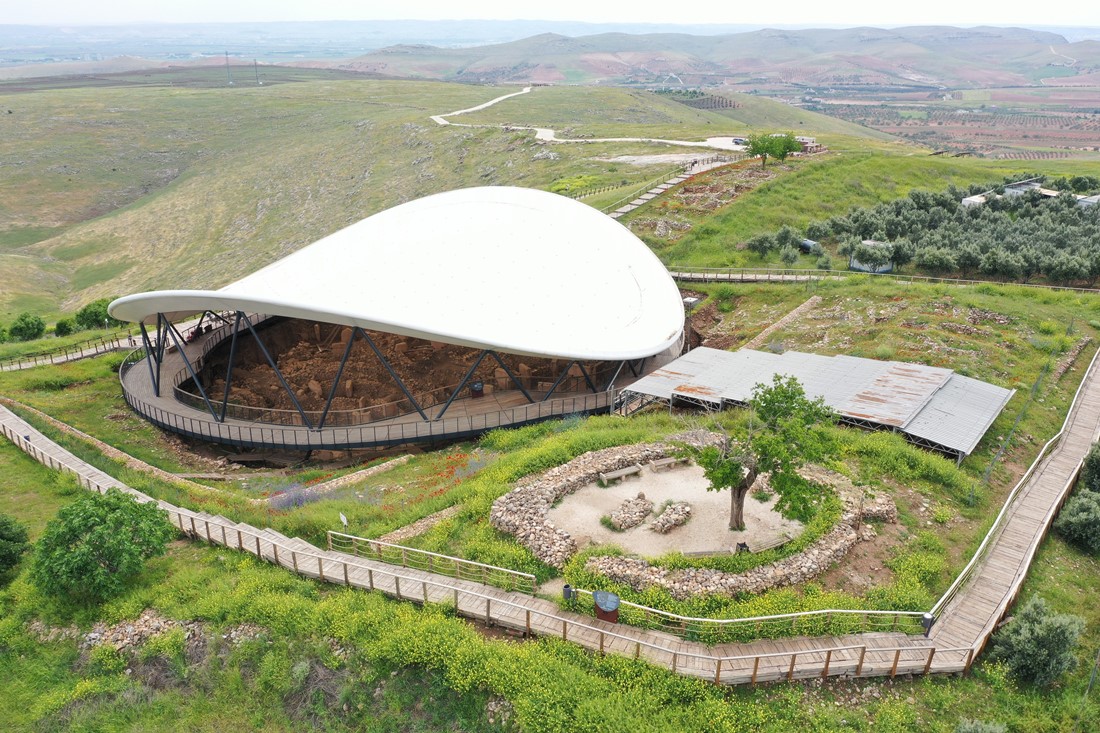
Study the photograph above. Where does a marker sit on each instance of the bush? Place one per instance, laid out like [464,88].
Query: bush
[94,315]
[1038,645]
[27,327]
[1090,472]
[64,327]
[1079,521]
[13,542]
[98,543]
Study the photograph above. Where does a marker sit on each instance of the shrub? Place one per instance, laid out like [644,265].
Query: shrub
[1038,645]
[824,262]
[27,327]
[64,327]
[94,315]
[13,542]
[1079,521]
[96,544]
[1090,472]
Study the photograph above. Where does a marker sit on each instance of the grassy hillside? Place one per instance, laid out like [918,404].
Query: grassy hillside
[617,112]
[121,189]
[816,188]
[914,57]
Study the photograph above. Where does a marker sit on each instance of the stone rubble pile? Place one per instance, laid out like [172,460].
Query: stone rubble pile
[632,512]
[672,517]
[522,511]
[813,561]
[129,634]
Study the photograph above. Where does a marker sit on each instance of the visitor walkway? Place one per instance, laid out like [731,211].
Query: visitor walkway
[465,417]
[965,617]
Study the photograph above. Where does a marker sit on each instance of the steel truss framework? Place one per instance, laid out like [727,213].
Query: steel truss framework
[166,333]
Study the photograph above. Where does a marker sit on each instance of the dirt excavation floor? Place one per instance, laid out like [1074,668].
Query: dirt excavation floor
[707,530]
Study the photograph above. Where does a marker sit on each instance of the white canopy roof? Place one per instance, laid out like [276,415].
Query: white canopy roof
[513,269]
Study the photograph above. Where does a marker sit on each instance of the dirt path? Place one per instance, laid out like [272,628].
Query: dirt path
[545,134]
[762,338]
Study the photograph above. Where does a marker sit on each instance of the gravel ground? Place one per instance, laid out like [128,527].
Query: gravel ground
[707,530]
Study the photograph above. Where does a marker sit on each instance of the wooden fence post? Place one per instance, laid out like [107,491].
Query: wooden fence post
[755,669]
[859,666]
[928,664]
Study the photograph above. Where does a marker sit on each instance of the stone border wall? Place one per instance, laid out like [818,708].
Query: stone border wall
[522,513]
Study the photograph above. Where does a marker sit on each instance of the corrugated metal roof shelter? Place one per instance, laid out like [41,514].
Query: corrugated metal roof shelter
[932,406]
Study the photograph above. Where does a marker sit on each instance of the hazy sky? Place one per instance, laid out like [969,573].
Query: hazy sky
[790,12]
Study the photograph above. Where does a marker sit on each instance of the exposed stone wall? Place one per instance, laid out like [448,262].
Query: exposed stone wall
[522,511]
[672,517]
[806,565]
[632,512]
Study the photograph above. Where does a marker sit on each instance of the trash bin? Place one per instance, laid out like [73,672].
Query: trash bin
[477,389]
[607,606]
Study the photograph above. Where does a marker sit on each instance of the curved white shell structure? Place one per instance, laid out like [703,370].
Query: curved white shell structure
[516,270]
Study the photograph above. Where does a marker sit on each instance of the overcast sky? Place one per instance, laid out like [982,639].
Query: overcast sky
[803,13]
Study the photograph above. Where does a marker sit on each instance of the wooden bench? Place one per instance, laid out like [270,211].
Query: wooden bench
[622,473]
[673,462]
[769,544]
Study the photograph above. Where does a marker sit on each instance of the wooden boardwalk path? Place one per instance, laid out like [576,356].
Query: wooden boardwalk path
[965,618]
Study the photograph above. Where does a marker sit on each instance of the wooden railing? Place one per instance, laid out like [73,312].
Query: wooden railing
[433,562]
[686,273]
[524,615]
[826,622]
[999,523]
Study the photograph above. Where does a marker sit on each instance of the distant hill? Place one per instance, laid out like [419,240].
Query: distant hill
[930,56]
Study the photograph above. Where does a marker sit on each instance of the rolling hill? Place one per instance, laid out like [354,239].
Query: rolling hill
[926,56]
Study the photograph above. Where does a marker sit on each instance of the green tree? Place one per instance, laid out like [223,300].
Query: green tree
[1090,472]
[94,315]
[64,327]
[776,145]
[27,327]
[96,544]
[13,542]
[785,431]
[1037,644]
[1079,521]
[783,145]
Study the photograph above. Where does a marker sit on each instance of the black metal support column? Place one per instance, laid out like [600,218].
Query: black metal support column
[587,379]
[279,374]
[336,382]
[561,379]
[508,371]
[150,357]
[191,370]
[465,379]
[229,366]
[611,382]
[386,364]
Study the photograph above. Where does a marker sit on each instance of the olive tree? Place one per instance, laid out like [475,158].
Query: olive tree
[786,430]
[96,544]
[1038,644]
[13,542]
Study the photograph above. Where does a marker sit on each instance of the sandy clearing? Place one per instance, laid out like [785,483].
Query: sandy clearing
[707,530]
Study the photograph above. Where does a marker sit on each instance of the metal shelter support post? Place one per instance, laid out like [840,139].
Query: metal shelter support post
[279,374]
[465,379]
[611,382]
[229,366]
[191,370]
[150,357]
[561,379]
[587,379]
[511,376]
[386,364]
[336,381]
